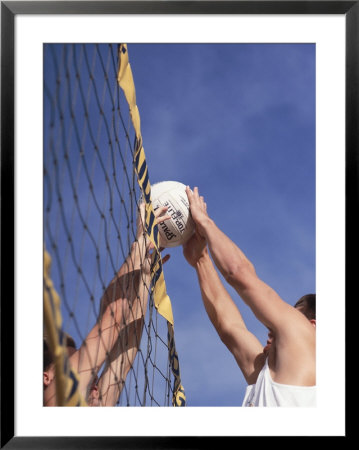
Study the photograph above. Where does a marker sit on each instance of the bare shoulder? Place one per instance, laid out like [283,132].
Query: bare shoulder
[295,353]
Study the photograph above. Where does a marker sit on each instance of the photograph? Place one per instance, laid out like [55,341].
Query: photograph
[235,122]
[174,193]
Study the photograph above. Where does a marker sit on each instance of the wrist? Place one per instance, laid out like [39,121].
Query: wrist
[140,240]
[205,226]
[138,249]
[204,256]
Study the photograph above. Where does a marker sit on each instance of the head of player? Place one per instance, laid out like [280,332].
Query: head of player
[49,370]
[93,398]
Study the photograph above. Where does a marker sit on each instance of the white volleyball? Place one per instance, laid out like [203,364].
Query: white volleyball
[177,230]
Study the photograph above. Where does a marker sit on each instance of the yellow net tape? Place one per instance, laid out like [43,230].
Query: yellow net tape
[161,299]
[67,382]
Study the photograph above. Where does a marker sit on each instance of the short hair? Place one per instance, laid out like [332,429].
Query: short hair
[48,355]
[307,302]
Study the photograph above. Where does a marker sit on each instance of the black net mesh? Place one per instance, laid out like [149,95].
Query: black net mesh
[91,203]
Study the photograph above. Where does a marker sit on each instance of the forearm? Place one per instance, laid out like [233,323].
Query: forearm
[129,304]
[119,363]
[219,306]
[227,319]
[136,257]
[123,302]
[129,280]
[228,257]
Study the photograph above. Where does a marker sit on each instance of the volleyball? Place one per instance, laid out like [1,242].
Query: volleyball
[177,230]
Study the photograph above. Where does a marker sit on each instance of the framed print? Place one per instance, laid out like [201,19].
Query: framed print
[256,103]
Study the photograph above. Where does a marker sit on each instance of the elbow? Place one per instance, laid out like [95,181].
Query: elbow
[239,274]
[225,337]
[225,331]
[219,325]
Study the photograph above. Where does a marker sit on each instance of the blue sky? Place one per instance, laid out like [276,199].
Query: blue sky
[238,121]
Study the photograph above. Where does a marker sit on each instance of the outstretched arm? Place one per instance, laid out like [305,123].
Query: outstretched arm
[239,272]
[223,312]
[124,350]
[122,309]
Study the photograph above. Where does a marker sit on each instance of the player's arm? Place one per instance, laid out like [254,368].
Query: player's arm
[124,351]
[240,273]
[119,306]
[222,311]
[115,310]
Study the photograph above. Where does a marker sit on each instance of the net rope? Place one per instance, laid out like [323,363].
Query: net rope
[96,287]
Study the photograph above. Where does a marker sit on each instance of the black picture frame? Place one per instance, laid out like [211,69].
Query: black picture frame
[9,9]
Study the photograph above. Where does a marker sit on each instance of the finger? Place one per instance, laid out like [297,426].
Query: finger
[142,207]
[160,210]
[165,258]
[189,193]
[162,219]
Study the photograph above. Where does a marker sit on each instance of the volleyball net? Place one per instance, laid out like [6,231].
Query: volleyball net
[104,287]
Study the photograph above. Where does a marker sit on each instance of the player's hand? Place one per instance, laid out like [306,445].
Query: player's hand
[160,215]
[198,208]
[194,248]
[146,267]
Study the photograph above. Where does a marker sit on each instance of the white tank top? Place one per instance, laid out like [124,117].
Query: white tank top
[267,392]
